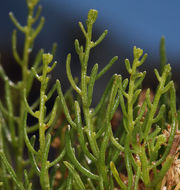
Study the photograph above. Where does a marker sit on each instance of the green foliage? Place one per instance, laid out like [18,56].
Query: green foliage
[90,154]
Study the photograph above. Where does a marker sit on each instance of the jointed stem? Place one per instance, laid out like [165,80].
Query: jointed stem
[24,69]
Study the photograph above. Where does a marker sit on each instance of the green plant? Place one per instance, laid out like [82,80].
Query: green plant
[137,155]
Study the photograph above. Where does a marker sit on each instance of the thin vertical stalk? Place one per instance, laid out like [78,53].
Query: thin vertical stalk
[144,164]
[130,99]
[128,162]
[24,69]
[84,89]
[159,92]
[30,34]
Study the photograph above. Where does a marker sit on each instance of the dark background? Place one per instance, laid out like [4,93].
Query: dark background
[140,23]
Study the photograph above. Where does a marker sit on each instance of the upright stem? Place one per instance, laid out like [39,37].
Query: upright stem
[44,146]
[144,163]
[86,110]
[42,113]
[100,155]
[156,101]
[24,69]
[130,99]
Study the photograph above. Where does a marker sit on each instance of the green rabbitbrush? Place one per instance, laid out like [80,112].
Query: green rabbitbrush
[89,153]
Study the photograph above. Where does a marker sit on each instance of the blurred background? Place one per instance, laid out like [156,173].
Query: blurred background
[129,23]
